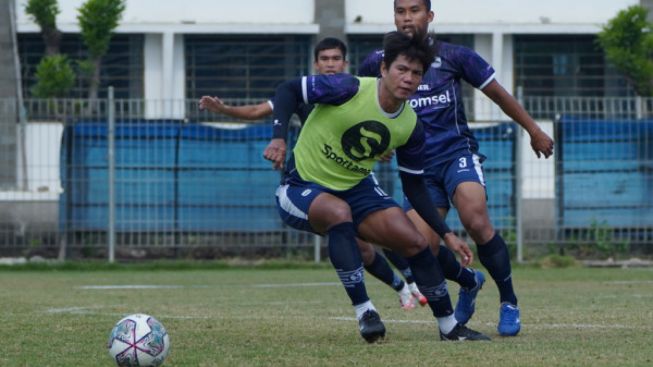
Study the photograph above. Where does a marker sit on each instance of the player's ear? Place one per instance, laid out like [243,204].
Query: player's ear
[384,69]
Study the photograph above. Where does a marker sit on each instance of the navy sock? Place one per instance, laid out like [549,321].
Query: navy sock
[430,282]
[346,259]
[400,263]
[496,259]
[382,271]
[453,271]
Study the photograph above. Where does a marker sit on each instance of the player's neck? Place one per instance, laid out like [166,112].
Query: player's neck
[388,102]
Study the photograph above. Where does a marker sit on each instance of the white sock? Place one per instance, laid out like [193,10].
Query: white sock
[447,323]
[361,308]
[413,287]
[405,291]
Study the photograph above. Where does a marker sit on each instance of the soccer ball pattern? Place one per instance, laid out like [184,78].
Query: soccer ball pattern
[138,341]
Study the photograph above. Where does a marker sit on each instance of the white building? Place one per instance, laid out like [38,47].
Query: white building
[173,49]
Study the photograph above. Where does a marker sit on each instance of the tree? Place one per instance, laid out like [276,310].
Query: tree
[55,77]
[44,13]
[627,40]
[97,20]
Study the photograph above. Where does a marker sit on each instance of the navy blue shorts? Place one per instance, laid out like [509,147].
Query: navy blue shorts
[442,180]
[295,196]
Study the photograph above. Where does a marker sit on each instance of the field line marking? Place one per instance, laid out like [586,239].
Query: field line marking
[137,286]
[284,285]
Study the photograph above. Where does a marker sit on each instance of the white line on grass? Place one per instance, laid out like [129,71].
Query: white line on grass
[626,282]
[137,286]
[94,310]
[529,326]
[285,285]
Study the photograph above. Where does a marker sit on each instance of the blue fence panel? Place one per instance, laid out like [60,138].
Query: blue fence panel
[605,174]
[169,177]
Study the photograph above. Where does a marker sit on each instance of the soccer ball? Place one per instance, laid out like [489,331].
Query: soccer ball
[137,341]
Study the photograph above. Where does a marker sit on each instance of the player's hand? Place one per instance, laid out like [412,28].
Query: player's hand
[275,152]
[387,157]
[455,244]
[213,104]
[541,144]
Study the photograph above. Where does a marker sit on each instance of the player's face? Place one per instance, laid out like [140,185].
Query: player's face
[411,16]
[402,78]
[330,61]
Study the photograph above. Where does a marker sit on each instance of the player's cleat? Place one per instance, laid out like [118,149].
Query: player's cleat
[461,332]
[406,299]
[371,326]
[417,294]
[509,323]
[467,299]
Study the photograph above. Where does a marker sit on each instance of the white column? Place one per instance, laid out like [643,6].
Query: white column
[164,76]
[153,55]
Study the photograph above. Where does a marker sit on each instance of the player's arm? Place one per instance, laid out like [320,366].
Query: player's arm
[540,141]
[247,112]
[410,160]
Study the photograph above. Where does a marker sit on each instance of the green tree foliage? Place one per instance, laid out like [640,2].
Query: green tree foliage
[628,43]
[44,13]
[97,21]
[55,77]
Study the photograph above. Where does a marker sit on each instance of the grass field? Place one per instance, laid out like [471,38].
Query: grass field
[301,317]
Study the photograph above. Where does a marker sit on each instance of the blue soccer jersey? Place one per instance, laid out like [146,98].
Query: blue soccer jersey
[438,100]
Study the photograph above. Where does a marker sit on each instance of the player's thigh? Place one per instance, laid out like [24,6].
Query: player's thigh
[392,229]
[309,208]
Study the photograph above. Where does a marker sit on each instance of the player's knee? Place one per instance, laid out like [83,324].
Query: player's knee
[414,246]
[480,229]
[367,252]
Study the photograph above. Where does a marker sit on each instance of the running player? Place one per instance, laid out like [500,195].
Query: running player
[453,162]
[330,58]
[328,187]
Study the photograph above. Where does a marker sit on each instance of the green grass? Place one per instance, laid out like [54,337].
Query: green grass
[224,316]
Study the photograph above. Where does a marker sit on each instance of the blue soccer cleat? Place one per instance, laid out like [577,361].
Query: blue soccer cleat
[509,323]
[467,299]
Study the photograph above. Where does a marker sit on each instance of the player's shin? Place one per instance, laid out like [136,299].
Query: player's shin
[430,280]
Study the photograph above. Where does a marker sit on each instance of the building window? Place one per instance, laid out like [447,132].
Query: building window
[243,67]
[563,66]
[122,66]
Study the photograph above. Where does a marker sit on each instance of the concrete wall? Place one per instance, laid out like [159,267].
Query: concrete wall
[8,95]
[511,13]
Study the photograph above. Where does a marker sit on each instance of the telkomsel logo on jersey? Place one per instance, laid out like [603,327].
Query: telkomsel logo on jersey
[362,141]
[439,100]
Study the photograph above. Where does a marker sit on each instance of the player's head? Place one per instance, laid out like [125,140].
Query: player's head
[405,59]
[413,16]
[330,56]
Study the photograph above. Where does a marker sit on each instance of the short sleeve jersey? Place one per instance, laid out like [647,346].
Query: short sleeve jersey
[438,100]
[348,131]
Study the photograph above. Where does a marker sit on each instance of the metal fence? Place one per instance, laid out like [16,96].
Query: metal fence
[174,181]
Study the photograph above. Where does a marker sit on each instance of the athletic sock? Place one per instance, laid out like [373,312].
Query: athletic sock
[362,308]
[496,259]
[382,271]
[400,263]
[431,282]
[447,323]
[346,259]
[453,271]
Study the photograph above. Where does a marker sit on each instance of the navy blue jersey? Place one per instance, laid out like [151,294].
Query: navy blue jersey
[438,100]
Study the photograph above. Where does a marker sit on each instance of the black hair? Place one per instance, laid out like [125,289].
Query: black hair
[427,3]
[329,43]
[417,48]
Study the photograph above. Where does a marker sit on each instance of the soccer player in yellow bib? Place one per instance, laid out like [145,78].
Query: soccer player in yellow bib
[330,58]
[328,187]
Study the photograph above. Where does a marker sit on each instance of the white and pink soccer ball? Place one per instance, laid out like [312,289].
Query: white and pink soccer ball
[139,340]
